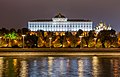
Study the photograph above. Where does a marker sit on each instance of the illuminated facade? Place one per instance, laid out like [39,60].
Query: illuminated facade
[60,24]
[102,26]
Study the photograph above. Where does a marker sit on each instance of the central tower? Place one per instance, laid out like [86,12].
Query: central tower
[59,18]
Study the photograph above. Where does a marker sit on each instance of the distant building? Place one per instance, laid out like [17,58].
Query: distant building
[102,26]
[60,24]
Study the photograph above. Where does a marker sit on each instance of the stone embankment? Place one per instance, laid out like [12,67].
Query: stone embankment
[59,51]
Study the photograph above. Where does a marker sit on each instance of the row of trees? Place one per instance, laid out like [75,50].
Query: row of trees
[13,38]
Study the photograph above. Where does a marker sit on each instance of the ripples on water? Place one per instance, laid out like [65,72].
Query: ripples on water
[60,67]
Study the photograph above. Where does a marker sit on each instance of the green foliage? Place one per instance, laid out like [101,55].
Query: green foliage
[12,35]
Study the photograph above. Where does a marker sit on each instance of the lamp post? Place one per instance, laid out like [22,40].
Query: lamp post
[50,41]
[80,39]
[23,40]
[95,41]
[0,40]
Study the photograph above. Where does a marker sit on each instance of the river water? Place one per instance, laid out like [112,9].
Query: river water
[87,66]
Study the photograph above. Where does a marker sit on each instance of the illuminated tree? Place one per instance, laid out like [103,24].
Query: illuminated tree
[10,36]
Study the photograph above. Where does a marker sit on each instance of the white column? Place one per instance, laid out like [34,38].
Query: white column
[23,40]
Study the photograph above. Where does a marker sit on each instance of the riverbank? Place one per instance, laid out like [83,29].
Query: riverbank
[59,51]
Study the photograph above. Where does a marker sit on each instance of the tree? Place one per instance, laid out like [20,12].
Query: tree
[91,34]
[107,35]
[12,30]
[25,30]
[31,40]
[10,36]
[79,32]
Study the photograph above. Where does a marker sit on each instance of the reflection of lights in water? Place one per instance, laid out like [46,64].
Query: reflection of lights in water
[68,61]
[6,67]
[115,67]
[80,68]
[63,66]
[68,65]
[23,69]
[35,62]
[15,65]
[95,66]
[1,66]
[50,65]
[15,62]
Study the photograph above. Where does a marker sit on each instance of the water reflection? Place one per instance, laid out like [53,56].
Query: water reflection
[60,67]
[80,67]
[95,66]
[50,66]
[115,67]
[23,69]
[87,67]
[1,66]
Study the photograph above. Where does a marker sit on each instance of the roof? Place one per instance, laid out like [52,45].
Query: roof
[59,15]
[79,20]
[41,20]
[69,20]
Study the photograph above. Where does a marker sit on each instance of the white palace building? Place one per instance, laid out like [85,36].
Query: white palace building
[60,24]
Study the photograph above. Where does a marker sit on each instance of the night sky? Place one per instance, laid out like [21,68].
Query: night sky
[16,13]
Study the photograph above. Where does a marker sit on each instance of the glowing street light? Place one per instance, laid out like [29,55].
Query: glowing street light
[50,41]
[80,39]
[23,40]
[95,41]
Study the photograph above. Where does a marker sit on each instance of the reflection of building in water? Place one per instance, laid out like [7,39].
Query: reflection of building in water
[73,67]
[37,67]
[87,66]
[115,67]
[34,71]
[1,66]
[102,26]
[60,24]
[63,66]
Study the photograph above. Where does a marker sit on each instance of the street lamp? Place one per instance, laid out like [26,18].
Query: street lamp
[80,39]
[23,40]
[95,41]
[50,41]
[0,40]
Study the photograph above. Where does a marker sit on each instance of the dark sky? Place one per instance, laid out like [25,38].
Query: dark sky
[16,13]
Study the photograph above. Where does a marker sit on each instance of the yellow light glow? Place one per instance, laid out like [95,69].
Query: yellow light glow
[95,68]
[23,69]
[1,66]
[50,65]
[15,62]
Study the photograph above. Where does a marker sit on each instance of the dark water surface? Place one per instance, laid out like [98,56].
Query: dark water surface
[89,66]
